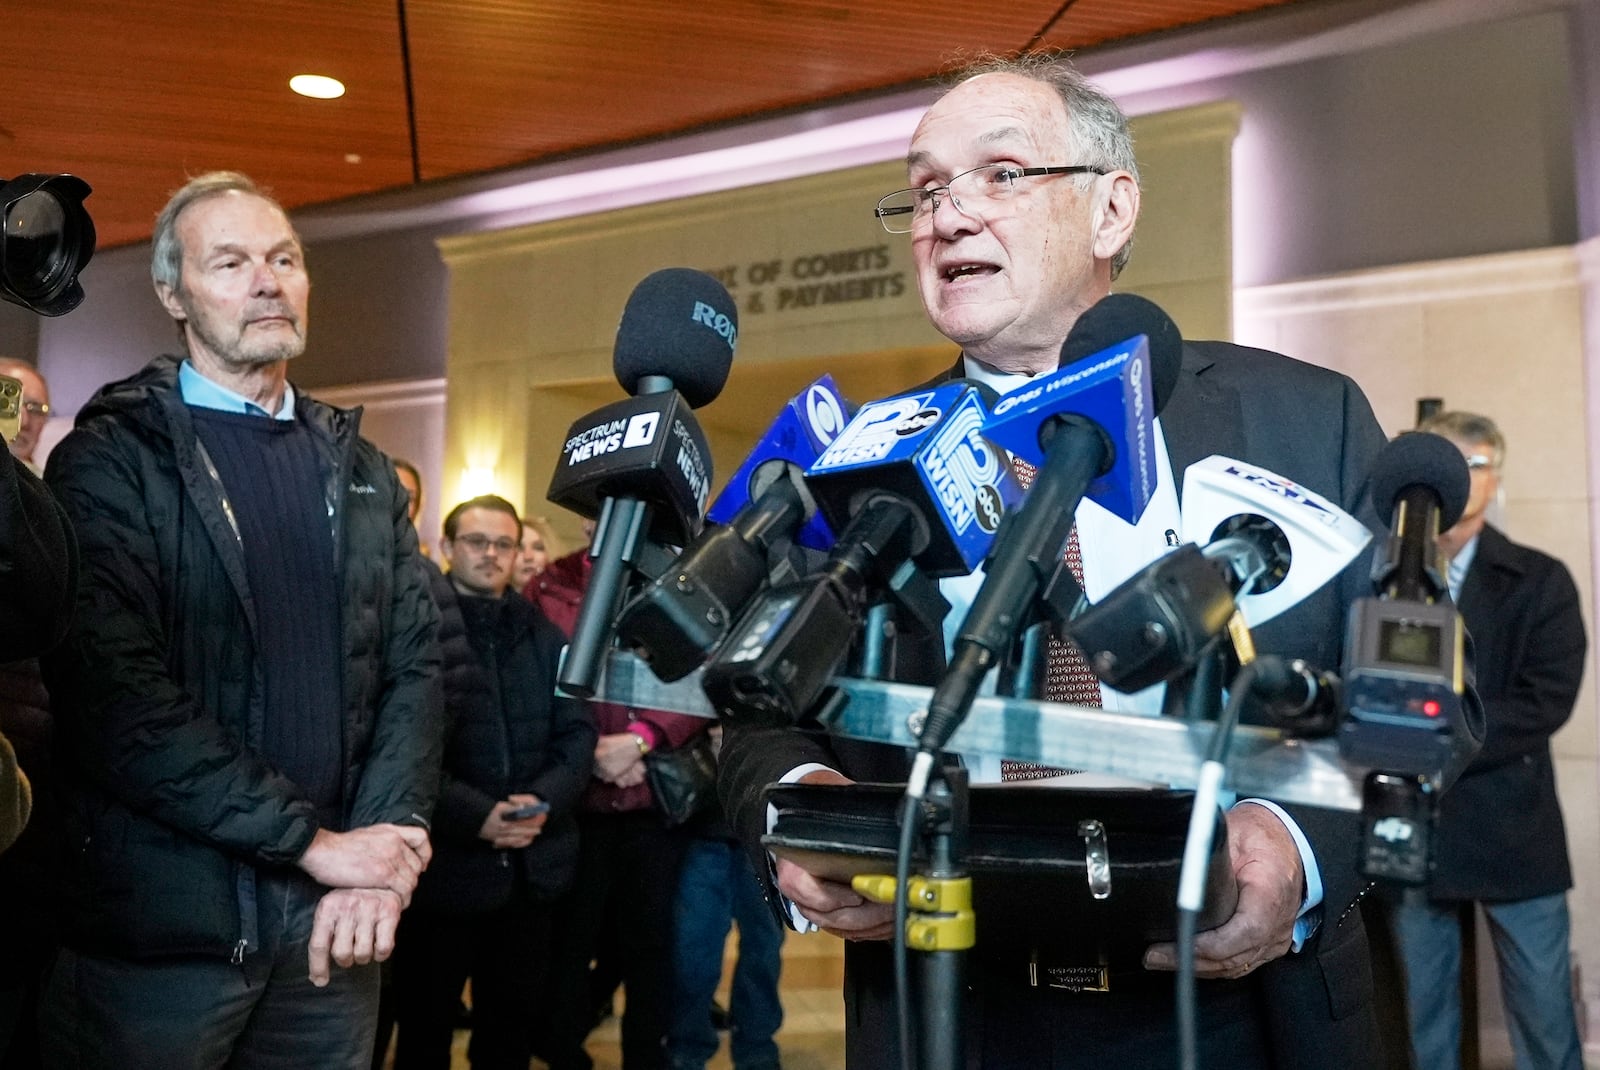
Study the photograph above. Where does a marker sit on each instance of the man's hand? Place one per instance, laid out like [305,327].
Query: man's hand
[836,908]
[354,926]
[618,760]
[505,833]
[1271,880]
[377,856]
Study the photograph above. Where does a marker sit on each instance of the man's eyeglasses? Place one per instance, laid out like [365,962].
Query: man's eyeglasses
[479,543]
[1478,461]
[37,408]
[904,210]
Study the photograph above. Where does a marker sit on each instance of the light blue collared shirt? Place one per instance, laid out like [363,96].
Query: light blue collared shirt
[1456,572]
[204,393]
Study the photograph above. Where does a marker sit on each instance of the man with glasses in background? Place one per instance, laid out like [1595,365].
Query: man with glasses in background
[1500,840]
[517,756]
[35,410]
[1023,195]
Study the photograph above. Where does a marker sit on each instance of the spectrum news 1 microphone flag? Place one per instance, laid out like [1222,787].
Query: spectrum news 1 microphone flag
[642,466]
[675,343]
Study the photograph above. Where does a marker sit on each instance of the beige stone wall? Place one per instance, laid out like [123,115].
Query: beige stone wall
[1505,336]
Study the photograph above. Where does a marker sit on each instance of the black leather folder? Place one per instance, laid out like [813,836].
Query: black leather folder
[1030,852]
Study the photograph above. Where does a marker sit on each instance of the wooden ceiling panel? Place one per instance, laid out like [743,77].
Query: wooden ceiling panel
[501,83]
[1098,22]
[136,95]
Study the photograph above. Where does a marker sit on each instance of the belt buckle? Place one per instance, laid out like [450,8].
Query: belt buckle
[1063,978]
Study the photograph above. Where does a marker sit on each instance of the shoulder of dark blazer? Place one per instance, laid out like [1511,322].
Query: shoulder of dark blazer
[1246,364]
[1497,551]
[1225,360]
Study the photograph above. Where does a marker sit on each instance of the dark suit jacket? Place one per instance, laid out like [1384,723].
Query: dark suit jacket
[1315,427]
[1500,834]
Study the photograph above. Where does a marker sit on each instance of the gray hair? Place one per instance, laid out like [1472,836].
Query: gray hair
[166,253]
[1097,128]
[1468,427]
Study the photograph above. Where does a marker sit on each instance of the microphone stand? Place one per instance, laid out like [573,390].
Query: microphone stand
[945,926]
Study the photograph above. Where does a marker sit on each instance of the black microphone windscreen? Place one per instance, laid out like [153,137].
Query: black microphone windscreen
[1116,318]
[1418,458]
[681,324]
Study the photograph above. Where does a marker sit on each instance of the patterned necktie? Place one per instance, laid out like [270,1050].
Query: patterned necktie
[1068,677]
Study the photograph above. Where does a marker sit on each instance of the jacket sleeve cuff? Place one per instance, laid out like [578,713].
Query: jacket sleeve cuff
[1309,918]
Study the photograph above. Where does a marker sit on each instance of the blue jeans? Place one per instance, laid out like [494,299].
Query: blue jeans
[715,889]
[1530,939]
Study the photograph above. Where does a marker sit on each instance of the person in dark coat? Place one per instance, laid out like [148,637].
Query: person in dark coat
[483,909]
[1500,841]
[247,706]
[39,565]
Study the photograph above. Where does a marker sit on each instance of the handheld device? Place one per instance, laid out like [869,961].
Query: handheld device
[522,813]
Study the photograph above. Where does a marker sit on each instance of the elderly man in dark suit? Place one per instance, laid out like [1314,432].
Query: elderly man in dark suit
[1500,840]
[1023,201]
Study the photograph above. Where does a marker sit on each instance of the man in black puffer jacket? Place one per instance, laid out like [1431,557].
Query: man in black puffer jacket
[248,715]
[483,908]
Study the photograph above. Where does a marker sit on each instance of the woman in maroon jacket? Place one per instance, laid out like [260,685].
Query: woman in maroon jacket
[622,899]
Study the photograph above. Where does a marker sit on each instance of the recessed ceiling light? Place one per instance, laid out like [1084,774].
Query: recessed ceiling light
[317,85]
[352,157]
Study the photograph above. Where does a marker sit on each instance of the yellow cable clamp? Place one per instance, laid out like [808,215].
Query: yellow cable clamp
[941,909]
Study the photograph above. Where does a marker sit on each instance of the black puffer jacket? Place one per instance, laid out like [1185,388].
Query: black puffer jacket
[169,810]
[509,733]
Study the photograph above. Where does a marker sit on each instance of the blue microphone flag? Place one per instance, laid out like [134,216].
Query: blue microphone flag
[806,426]
[928,447]
[1111,388]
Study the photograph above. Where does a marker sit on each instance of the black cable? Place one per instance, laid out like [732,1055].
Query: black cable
[910,825]
[1196,859]
[411,101]
[1048,24]
[1188,1036]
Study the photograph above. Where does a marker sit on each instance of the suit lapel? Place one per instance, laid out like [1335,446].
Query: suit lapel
[1203,416]
[1491,577]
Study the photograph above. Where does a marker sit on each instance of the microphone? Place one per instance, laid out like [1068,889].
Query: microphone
[1088,427]
[808,424]
[676,621]
[642,465]
[1303,540]
[1404,670]
[1268,544]
[1421,480]
[1296,696]
[1407,718]
[919,492]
